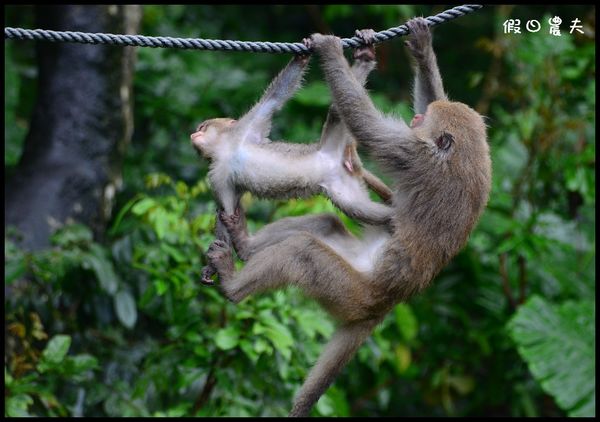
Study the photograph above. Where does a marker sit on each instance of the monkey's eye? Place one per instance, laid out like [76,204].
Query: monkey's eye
[444,141]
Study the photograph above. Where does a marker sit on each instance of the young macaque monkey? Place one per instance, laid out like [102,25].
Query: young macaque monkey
[442,172]
[244,159]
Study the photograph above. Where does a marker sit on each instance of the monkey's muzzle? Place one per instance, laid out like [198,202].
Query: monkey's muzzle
[196,138]
[417,120]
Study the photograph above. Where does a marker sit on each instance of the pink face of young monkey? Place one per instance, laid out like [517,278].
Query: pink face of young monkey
[208,134]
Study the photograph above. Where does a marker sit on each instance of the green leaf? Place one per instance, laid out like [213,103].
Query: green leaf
[312,322]
[279,334]
[406,321]
[83,362]
[262,346]
[17,406]
[13,269]
[8,379]
[115,227]
[72,234]
[557,342]
[125,308]
[103,269]
[160,221]
[143,206]
[227,338]
[174,253]
[55,351]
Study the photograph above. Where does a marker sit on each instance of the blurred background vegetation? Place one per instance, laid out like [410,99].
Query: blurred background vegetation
[118,325]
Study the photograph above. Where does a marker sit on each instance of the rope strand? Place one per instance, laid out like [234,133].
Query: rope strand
[225,45]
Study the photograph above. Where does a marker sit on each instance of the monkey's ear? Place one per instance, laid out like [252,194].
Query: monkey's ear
[444,141]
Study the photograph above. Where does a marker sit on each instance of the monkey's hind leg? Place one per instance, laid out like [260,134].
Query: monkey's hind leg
[301,260]
[238,231]
[245,245]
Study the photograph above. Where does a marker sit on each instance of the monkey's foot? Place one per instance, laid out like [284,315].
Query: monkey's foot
[207,273]
[220,257]
[419,39]
[303,58]
[365,52]
[307,43]
[236,226]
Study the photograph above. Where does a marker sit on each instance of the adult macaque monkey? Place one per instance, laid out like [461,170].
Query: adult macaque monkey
[442,170]
[244,159]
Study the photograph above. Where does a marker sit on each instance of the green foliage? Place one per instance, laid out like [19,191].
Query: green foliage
[558,345]
[122,327]
[36,390]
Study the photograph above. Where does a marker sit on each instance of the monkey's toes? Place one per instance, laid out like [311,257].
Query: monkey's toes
[307,43]
[418,24]
[231,221]
[367,35]
[221,258]
[207,273]
[365,52]
[217,247]
[418,29]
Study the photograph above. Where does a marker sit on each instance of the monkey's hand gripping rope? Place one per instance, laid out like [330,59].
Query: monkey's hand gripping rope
[225,45]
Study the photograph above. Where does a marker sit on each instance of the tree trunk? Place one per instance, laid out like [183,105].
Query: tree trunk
[80,126]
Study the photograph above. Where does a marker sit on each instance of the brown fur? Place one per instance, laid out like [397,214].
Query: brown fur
[442,174]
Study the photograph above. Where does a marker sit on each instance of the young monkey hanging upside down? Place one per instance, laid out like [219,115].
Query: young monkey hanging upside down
[244,159]
[442,170]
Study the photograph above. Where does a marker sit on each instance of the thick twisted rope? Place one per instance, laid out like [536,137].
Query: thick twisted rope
[226,45]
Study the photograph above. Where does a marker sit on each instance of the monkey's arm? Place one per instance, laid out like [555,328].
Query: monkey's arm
[428,81]
[256,124]
[382,136]
[364,63]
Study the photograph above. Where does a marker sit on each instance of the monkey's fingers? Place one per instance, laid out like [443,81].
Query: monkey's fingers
[367,35]
[307,43]
[419,38]
[207,273]
[366,52]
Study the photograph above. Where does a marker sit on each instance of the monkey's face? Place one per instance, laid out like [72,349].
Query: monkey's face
[456,136]
[209,134]
[456,132]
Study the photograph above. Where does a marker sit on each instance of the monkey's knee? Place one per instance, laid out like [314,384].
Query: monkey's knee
[332,224]
[231,294]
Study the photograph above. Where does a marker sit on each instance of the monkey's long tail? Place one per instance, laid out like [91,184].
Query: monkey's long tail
[338,352]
